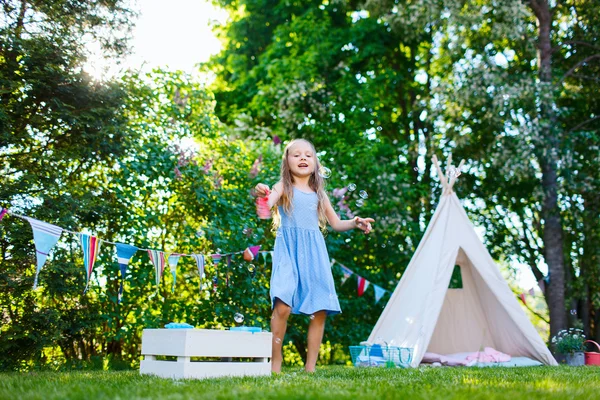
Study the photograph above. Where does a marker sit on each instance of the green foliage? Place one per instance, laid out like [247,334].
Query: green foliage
[569,341]
[162,162]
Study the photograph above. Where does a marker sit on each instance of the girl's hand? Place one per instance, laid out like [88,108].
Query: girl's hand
[364,224]
[261,190]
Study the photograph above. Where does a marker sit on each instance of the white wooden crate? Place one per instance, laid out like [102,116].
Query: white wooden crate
[187,343]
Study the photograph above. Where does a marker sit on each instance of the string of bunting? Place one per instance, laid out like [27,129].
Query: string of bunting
[45,237]
[363,283]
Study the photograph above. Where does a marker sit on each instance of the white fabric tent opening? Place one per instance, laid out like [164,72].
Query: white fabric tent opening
[427,316]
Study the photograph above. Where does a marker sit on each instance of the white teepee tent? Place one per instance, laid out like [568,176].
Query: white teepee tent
[424,314]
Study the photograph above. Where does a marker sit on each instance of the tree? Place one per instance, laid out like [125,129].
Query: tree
[57,128]
[514,105]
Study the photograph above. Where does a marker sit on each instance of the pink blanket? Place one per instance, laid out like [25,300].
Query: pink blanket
[488,355]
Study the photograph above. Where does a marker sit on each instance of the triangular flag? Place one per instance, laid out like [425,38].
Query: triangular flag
[363,284]
[531,292]
[346,273]
[91,247]
[379,292]
[200,265]
[254,250]
[45,237]
[3,213]
[216,258]
[228,267]
[542,285]
[173,260]
[522,297]
[158,260]
[124,254]
[265,254]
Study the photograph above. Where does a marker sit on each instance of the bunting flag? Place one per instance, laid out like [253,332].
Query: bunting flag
[522,297]
[346,273]
[228,267]
[542,285]
[254,250]
[265,254]
[216,258]
[200,265]
[158,260]
[531,292]
[173,260]
[91,247]
[363,284]
[45,237]
[124,254]
[215,281]
[3,213]
[379,292]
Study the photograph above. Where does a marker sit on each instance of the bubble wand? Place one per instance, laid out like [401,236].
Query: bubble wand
[262,206]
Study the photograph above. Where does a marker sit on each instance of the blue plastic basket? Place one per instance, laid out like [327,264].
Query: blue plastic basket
[381,356]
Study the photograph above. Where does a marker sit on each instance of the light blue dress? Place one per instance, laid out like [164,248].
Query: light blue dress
[301,276]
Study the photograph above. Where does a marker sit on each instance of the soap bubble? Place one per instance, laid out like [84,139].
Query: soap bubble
[238,318]
[324,172]
[360,203]
[363,194]
[312,316]
[251,268]
[351,187]
[416,169]
[200,233]
[277,340]
[573,312]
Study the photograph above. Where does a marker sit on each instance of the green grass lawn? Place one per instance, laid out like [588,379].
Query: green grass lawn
[327,383]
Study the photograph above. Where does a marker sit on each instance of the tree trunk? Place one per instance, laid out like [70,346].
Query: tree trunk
[548,158]
[590,259]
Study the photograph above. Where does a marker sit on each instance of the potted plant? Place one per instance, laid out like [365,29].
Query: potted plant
[570,342]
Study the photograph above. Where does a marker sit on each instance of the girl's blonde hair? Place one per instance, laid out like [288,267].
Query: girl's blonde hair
[315,182]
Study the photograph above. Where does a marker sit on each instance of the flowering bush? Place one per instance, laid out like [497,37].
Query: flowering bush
[569,341]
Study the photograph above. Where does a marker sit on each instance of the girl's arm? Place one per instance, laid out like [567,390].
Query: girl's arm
[339,225]
[262,190]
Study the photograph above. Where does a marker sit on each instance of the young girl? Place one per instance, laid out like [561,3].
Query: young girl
[301,281]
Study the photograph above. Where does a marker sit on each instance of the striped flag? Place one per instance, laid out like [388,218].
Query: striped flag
[91,247]
[216,258]
[173,260]
[200,265]
[158,260]
[124,254]
[347,272]
[45,237]
[363,284]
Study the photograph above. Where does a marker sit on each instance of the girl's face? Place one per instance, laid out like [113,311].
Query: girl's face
[301,159]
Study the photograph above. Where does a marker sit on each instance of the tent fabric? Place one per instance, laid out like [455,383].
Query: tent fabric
[427,316]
